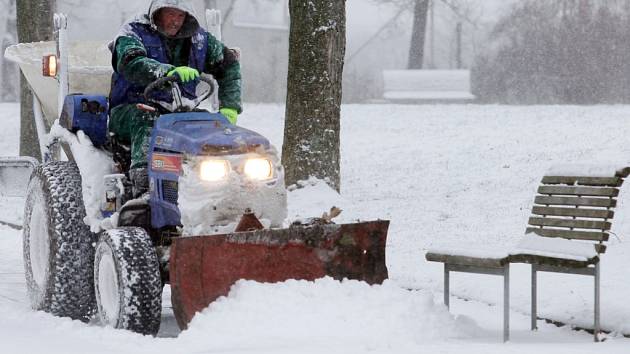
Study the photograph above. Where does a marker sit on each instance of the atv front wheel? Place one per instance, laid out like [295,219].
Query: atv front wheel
[57,245]
[127,281]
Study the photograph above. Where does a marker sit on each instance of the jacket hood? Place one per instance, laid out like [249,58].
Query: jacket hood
[190,26]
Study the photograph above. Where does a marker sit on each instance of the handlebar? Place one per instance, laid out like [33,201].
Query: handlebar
[161,84]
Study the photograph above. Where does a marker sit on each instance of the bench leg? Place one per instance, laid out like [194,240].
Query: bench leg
[506,303]
[534,297]
[446,285]
[596,326]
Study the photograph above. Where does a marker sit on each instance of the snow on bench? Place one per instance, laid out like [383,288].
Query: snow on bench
[566,233]
[427,86]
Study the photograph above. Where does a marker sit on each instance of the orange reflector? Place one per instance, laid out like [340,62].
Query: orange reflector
[162,162]
[49,65]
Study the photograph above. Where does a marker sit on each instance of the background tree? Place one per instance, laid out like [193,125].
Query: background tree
[317,42]
[421,10]
[34,23]
[558,52]
[418,34]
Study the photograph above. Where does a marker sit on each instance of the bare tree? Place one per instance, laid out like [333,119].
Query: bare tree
[317,43]
[421,11]
[34,23]
[558,52]
[418,34]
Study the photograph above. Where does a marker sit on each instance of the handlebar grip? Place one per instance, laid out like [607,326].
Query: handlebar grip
[207,78]
[158,83]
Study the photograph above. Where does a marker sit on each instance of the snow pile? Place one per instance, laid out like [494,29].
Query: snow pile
[313,197]
[474,251]
[216,207]
[94,164]
[529,244]
[446,176]
[555,247]
[322,313]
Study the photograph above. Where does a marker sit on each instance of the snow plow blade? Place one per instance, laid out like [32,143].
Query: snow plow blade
[15,172]
[203,268]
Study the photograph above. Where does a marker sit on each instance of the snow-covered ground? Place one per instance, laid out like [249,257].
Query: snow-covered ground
[445,176]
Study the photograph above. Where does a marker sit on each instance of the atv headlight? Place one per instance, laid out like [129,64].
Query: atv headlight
[213,170]
[258,169]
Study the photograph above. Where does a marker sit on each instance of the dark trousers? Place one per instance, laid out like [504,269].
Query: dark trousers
[132,126]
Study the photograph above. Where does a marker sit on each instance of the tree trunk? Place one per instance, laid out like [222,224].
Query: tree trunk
[317,43]
[416,50]
[34,23]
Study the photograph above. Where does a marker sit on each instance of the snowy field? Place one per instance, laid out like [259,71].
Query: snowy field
[445,176]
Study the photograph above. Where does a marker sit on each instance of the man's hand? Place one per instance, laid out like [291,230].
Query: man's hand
[230,113]
[185,73]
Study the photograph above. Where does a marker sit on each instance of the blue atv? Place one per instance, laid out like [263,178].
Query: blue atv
[230,172]
[184,136]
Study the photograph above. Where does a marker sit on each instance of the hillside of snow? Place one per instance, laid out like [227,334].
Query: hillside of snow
[446,176]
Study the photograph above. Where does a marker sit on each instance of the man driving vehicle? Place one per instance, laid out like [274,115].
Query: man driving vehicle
[166,41]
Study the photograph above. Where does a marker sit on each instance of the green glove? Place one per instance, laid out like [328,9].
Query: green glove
[230,113]
[185,73]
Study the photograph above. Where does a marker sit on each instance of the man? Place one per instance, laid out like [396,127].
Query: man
[164,42]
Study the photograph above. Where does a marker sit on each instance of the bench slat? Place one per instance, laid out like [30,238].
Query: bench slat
[596,202]
[569,234]
[581,212]
[587,191]
[578,224]
[466,261]
[585,181]
[543,261]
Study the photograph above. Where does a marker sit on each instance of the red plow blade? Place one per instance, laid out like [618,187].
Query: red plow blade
[203,268]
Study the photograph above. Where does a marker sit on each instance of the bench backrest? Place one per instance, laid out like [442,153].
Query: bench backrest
[576,207]
[427,84]
[427,80]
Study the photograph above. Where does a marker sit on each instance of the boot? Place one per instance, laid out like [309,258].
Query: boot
[139,181]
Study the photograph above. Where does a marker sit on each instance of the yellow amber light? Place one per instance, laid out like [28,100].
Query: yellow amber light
[49,65]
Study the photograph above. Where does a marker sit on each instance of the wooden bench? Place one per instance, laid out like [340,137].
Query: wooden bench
[427,86]
[566,233]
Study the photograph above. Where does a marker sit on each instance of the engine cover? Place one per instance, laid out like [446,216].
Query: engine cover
[179,137]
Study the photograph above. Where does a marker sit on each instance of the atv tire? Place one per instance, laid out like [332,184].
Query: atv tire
[127,281]
[57,244]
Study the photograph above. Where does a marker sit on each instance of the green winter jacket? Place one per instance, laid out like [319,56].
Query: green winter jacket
[129,55]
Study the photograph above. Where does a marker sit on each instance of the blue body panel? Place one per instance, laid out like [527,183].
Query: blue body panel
[87,113]
[192,133]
